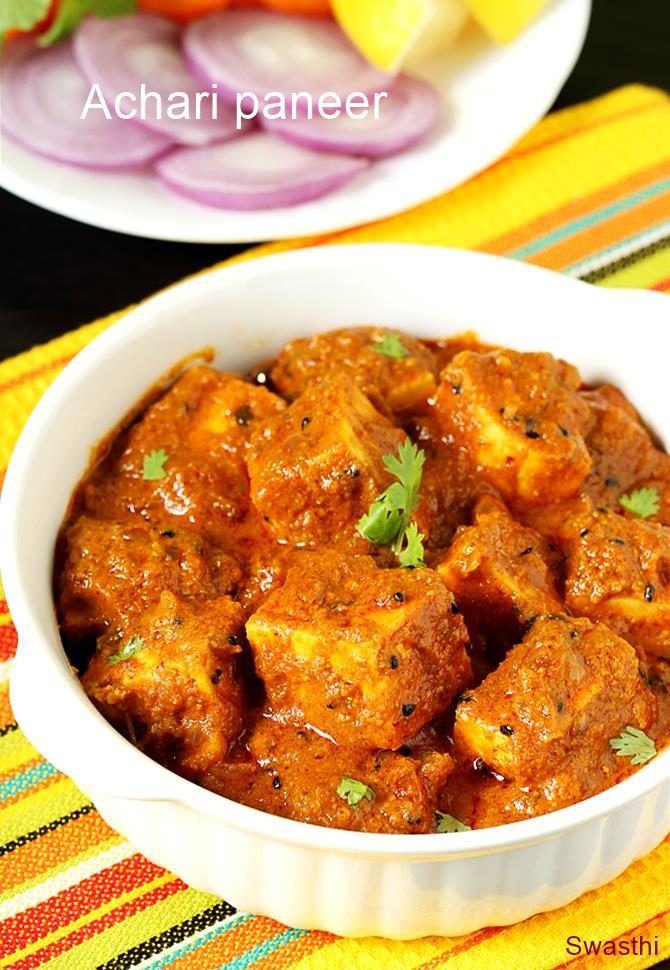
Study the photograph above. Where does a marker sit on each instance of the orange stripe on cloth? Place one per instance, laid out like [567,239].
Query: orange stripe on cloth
[233,943]
[14,382]
[28,926]
[97,926]
[468,943]
[6,713]
[52,849]
[574,209]
[295,950]
[662,286]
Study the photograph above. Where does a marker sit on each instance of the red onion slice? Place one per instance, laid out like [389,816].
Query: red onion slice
[260,51]
[255,172]
[405,117]
[122,53]
[43,95]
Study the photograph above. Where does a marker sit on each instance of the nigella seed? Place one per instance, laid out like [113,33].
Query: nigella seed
[244,415]
[507,730]
[217,675]
[559,707]
[649,593]
[233,640]
[353,471]
[399,597]
[612,482]
[168,534]
[619,542]
[527,551]
[454,608]
[456,388]
[584,533]
[533,434]
[304,423]
[276,782]
[574,634]
[405,751]
[464,698]
[564,431]
[408,709]
[393,661]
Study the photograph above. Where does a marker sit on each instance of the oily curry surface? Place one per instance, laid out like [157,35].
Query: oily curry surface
[380,583]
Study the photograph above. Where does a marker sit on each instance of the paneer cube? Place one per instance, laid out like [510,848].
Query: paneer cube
[368,655]
[522,421]
[569,687]
[500,575]
[296,773]
[200,429]
[316,468]
[172,681]
[623,452]
[396,371]
[110,571]
[618,572]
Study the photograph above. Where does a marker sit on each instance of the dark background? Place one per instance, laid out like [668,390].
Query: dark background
[59,273]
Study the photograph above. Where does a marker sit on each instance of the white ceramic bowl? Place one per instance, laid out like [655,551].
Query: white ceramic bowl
[347,882]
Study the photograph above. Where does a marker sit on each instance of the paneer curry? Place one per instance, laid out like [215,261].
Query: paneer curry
[378,583]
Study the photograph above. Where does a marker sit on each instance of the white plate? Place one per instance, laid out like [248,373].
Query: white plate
[492,96]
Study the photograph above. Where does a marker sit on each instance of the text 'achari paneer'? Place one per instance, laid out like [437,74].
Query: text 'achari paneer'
[114,570]
[316,468]
[521,419]
[172,682]
[563,692]
[618,571]
[367,655]
[500,576]
[396,371]
[185,457]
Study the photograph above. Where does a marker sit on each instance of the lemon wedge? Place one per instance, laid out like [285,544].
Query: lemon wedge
[391,33]
[394,33]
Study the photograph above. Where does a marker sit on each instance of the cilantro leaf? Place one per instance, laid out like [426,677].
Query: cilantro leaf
[411,553]
[153,465]
[634,744]
[69,13]
[387,520]
[22,14]
[128,650]
[642,502]
[391,346]
[447,823]
[354,791]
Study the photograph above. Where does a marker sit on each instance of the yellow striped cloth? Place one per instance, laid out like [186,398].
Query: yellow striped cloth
[587,192]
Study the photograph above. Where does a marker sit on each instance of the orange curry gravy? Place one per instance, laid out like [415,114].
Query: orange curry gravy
[226,615]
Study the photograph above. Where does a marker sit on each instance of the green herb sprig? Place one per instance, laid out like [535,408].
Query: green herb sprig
[643,502]
[354,791]
[153,465]
[447,823]
[128,650]
[387,521]
[634,744]
[391,346]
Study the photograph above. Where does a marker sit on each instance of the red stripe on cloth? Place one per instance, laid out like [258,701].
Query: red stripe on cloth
[467,944]
[662,286]
[97,926]
[27,927]
[8,641]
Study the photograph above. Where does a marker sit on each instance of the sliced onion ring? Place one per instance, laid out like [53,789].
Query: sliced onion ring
[260,51]
[43,94]
[405,117]
[121,53]
[255,172]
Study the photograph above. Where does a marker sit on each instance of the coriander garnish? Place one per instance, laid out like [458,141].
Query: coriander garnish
[643,502]
[447,823]
[387,521]
[153,466]
[634,744]
[128,650]
[354,791]
[391,346]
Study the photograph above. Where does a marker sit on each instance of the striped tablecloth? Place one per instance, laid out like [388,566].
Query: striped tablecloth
[587,192]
